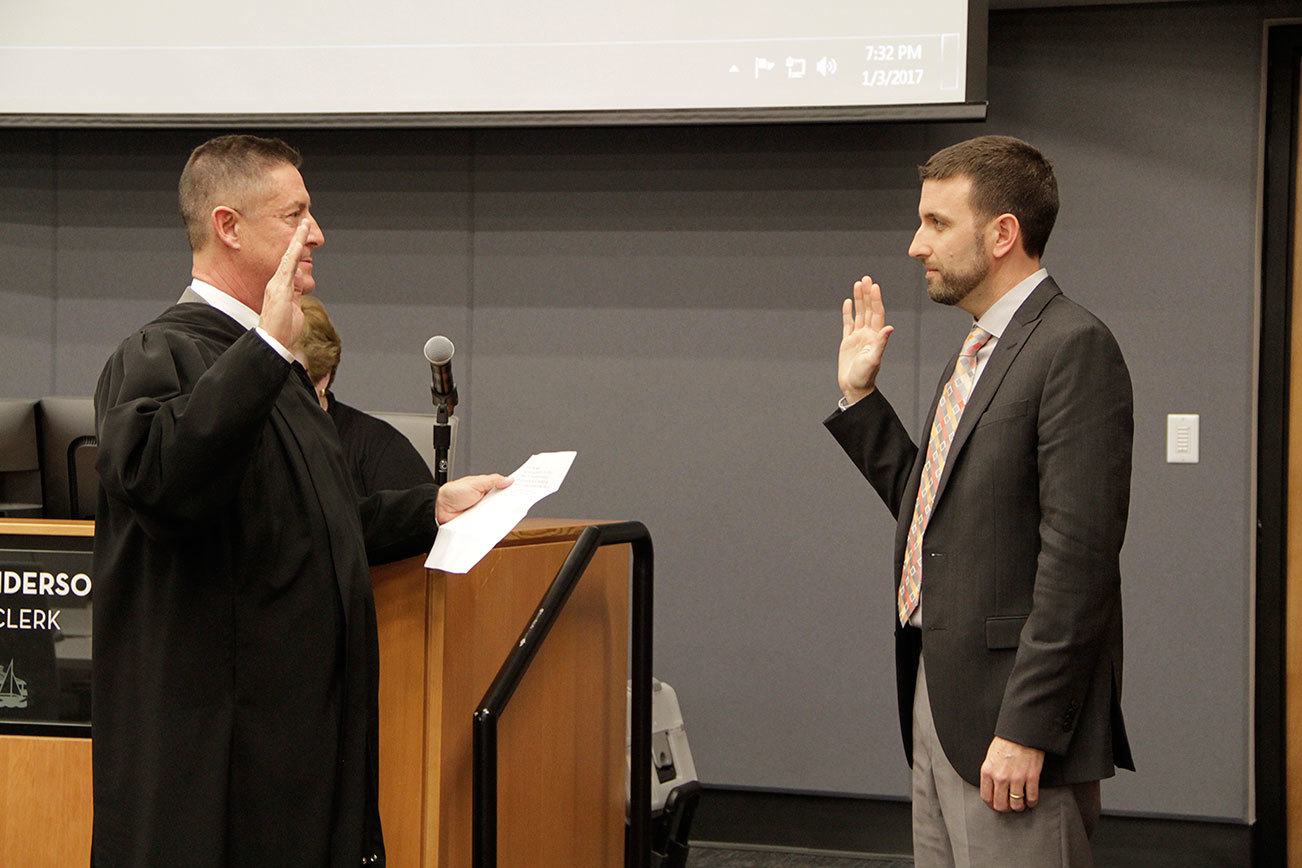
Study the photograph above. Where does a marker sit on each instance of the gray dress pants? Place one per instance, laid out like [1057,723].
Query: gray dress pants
[953,828]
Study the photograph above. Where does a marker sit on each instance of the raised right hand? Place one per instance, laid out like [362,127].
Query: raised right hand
[864,335]
[281,317]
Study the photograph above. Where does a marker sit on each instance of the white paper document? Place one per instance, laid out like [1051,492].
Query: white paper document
[463,541]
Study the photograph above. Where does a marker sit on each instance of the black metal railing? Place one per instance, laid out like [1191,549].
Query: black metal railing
[638,849]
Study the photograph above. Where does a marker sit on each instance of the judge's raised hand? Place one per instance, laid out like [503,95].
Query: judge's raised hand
[458,495]
[282,318]
[864,334]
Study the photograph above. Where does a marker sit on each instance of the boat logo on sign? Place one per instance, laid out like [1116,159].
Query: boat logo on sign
[13,690]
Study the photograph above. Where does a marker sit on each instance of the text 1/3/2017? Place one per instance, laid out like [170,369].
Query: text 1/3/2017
[891,77]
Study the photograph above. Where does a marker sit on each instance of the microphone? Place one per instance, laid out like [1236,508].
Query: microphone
[438,352]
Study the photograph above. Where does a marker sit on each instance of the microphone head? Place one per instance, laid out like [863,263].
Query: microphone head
[438,350]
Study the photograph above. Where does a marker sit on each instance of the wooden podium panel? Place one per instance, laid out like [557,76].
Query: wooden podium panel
[45,801]
[561,741]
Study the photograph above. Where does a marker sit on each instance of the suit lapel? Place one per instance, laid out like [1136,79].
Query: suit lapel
[1006,349]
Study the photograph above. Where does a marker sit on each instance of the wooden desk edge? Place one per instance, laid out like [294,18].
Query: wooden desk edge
[46,527]
[532,531]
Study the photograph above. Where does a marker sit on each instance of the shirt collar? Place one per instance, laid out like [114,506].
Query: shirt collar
[1000,314]
[227,304]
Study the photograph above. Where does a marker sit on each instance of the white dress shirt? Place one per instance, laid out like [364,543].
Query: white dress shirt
[996,319]
[238,311]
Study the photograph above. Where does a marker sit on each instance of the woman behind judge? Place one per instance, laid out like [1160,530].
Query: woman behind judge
[379,457]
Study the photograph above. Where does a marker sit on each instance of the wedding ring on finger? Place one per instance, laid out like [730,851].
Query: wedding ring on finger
[1017,796]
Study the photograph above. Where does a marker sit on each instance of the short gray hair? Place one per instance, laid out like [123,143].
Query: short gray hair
[223,171]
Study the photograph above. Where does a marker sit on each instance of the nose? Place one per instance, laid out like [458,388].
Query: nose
[315,237]
[917,249]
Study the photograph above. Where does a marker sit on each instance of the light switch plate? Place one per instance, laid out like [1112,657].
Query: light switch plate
[1182,438]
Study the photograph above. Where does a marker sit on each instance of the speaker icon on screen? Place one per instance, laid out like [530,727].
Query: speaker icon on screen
[826,66]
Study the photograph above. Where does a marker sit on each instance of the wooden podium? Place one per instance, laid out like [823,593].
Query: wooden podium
[561,767]
[442,639]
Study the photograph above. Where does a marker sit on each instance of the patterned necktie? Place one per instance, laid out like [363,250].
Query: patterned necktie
[950,409]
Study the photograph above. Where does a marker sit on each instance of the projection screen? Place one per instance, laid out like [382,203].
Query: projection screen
[387,62]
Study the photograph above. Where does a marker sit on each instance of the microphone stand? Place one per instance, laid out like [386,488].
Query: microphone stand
[442,438]
[438,352]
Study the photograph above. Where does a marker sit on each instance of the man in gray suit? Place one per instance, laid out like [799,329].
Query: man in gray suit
[1010,520]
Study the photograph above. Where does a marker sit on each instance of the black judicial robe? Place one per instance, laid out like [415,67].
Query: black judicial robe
[377,453]
[235,652]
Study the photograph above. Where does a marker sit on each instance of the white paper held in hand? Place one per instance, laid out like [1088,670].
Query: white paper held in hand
[463,541]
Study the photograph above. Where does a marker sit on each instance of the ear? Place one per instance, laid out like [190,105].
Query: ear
[1006,234]
[225,223]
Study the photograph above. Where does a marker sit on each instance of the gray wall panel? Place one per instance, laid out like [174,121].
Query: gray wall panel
[395,268]
[122,255]
[27,262]
[670,310]
[1156,236]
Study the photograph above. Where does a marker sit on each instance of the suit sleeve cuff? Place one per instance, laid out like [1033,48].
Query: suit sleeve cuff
[846,412]
[275,344]
[845,403]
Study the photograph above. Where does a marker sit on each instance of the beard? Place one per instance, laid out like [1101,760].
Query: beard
[950,286]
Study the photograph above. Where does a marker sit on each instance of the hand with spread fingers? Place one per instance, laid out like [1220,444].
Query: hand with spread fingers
[458,495]
[1010,776]
[282,318]
[864,335]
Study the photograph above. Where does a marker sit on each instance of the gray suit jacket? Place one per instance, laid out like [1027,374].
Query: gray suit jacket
[1021,585]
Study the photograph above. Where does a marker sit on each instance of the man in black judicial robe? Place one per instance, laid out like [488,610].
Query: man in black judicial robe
[235,651]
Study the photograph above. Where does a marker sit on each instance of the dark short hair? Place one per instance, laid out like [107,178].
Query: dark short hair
[223,171]
[1008,177]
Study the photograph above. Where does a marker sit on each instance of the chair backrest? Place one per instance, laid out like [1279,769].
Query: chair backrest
[419,429]
[68,449]
[20,461]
